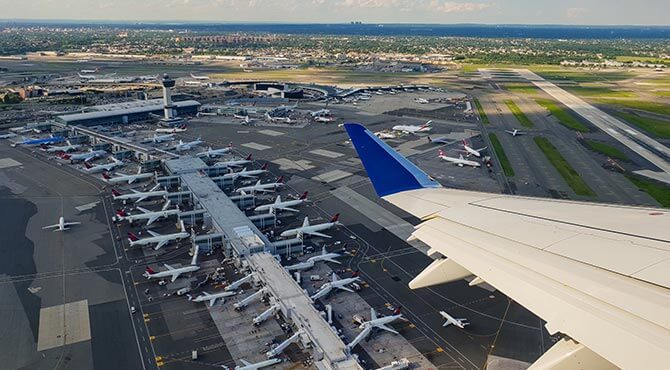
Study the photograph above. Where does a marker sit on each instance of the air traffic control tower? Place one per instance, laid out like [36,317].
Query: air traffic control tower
[169,119]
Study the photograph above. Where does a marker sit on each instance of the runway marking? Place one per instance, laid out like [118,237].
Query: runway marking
[326,153]
[271,132]
[287,164]
[8,163]
[256,146]
[332,176]
[64,324]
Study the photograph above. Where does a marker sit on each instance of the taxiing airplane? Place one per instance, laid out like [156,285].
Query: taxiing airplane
[44,141]
[263,188]
[312,230]
[460,161]
[324,119]
[187,146]
[413,129]
[129,179]
[258,365]
[609,308]
[234,162]
[171,130]
[158,239]
[320,113]
[438,140]
[515,132]
[174,273]
[375,323]
[87,156]
[139,196]
[211,298]
[62,148]
[61,225]
[468,149]
[157,139]
[150,216]
[461,323]
[103,167]
[282,205]
[386,134]
[199,78]
[211,153]
[421,101]
[335,283]
[309,263]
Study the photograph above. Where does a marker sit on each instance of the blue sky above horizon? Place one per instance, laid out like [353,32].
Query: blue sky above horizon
[575,12]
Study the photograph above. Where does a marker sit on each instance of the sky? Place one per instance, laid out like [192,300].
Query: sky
[575,12]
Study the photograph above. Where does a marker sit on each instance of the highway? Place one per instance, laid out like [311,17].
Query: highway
[608,124]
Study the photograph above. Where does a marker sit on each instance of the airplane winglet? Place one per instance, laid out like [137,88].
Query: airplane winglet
[389,171]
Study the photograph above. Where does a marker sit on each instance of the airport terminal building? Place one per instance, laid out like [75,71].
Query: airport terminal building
[123,113]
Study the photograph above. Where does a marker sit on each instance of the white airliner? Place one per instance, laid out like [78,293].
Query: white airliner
[157,139]
[108,167]
[258,365]
[309,263]
[174,273]
[199,78]
[282,205]
[87,156]
[211,153]
[87,76]
[386,135]
[277,119]
[244,173]
[63,148]
[139,196]
[320,113]
[596,273]
[421,101]
[171,130]
[129,179]
[375,323]
[439,140]
[7,135]
[515,132]
[263,188]
[150,216]
[413,129]
[461,323]
[460,161]
[468,149]
[158,239]
[211,298]
[234,162]
[187,146]
[324,119]
[61,225]
[335,283]
[312,230]
[89,70]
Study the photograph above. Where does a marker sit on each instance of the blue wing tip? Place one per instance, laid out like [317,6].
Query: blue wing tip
[389,172]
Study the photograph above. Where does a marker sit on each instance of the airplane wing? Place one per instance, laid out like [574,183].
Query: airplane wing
[384,327]
[595,272]
[152,219]
[332,260]
[287,209]
[153,233]
[168,266]
[143,210]
[175,276]
[316,233]
[51,226]
[141,199]
[245,362]
[345,288]
[71,223]
[212,302]
[160,244]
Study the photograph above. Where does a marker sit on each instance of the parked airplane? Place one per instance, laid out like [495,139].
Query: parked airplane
[263,188]
[103,167]
[211,298]
[139,196]
[157,139]
[47,141]
[199,78]
[61,225]
[282,205]
[87,156]
[211,153]
[277,119]
[150,216]
[320,113]
[129,179]
[89,70]
[309,263]
[324,119]
[562,284]
[460,161]
[158,239]
[258,365]
[461,323]
[171,130]
[515,132]
[335,283]
[8,135]
[439,140]
[172,272]
[421,101]
[476,152]
[63,148]
[187,146]
[234,162]
[386,135]
[413,129]
[375,323]
[313,230]
[87,76]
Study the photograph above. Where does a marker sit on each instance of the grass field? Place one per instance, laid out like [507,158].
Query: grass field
[662,94]
[655,189]
[480,110]
[606,149]
[600,91]
[647,106]
[565,118]
[522,88]
[502,157]
[568,173]
[656,127]
[636,58]
[518,113]
[583,76]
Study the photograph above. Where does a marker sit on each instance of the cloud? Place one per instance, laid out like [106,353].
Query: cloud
[575,12]
[454,7]
[417,5]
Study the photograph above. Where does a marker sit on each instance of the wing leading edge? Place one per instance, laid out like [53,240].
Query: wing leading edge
[595,272]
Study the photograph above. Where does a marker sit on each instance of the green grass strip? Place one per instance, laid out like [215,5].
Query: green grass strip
[480,110]
[520,116]
[563,117]
[655,189]
[656,127]
[568,173]
[606,149]
[502,157]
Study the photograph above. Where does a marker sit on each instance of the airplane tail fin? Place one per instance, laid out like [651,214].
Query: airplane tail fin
[106,176]
[87,165]
[304,195]
[389,172]
[121,213]
[150,271]
[265,166]
[181,225]
[166,205]
[248,158]
[115,192]
[65,156]
[397,310]
[278,200]
[335,218]
[280,180]
[440,153]
[132,237]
